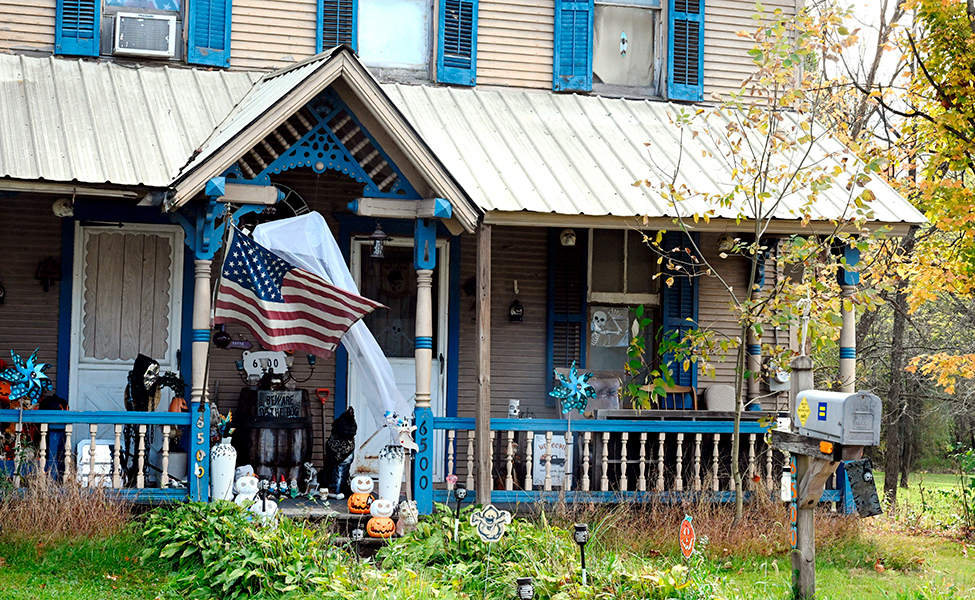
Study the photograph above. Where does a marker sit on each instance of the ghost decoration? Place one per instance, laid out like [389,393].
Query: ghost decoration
[489,522]
[574,391]
[26,378]
[404,431]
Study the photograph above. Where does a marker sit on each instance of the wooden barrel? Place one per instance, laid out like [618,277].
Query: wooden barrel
[273,432]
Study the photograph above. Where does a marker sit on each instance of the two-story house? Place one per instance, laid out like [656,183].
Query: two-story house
[494,141]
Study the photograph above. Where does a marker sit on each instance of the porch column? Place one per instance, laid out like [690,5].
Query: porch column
[483,415]
[848,280]
[424,260]
[753,360]
[200,443]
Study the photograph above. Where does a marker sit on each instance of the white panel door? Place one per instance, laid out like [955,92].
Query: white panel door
[392,281]
[127,300]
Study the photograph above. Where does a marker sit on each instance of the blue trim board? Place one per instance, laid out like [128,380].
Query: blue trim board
[755,349]
[423,342]
[98,418]
[846,352]
[572,496]
[453,328]
[200,335]
[563,426]
[63,358]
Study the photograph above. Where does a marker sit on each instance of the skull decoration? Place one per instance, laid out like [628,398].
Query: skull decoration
[381,525]
[598,326]
[409,516]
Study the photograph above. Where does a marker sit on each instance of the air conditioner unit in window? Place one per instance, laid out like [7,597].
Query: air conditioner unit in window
[144,35]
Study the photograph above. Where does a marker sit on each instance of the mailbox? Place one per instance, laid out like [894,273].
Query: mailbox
[848,419]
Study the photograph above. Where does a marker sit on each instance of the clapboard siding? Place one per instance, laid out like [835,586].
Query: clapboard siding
[29,232]
[715,307]
[268,34]
[515,40]
[726,60]
[518,350]
[27,25]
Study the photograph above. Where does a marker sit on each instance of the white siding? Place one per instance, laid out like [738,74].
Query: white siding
[269,34]
[27,25]
[515,43]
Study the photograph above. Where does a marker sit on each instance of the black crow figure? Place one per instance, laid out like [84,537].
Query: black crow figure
[339,452]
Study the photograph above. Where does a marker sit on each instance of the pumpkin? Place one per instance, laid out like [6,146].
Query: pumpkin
[380,527]
[359,504]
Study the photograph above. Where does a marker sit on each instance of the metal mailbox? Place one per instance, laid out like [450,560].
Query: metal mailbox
[848,419]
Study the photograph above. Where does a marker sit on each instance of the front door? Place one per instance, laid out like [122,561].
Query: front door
[127,300]
[392,281]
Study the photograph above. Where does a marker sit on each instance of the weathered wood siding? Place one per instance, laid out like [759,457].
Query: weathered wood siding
[515,43]
[518,350]
[715,306]
[726,60]
[29,232]
[27,25]
[268,34]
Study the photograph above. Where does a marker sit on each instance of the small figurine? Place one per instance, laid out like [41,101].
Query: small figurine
[293,488]
[282,488]
[264,508]
[361,498]
[409,516]
[272,487]
[311,482]
[247,488]
[381,524]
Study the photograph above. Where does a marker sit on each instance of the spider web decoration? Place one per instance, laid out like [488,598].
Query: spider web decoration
[574,391]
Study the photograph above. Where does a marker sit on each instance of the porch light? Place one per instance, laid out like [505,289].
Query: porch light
[581,536]
[378,239]
[526,588]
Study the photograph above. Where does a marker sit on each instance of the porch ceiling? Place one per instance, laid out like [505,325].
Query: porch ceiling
[83,122]
[528,157]
[273,110]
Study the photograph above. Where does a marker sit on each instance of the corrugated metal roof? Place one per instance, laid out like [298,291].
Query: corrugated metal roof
[270,90]
[74,120]
[580,155]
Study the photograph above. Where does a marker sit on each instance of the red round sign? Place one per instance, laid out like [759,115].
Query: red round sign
[687,537]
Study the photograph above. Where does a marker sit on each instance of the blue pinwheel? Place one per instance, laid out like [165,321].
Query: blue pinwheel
[574,390]
[27,378]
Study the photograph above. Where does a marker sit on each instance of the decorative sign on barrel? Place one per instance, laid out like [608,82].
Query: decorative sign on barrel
[279,404]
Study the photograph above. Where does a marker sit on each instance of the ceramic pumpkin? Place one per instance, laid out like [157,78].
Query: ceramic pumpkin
[381,525]
[361,498]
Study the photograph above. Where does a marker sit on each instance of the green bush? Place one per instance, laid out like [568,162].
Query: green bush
[219,550]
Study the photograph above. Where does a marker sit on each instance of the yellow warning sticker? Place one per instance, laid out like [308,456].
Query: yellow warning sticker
[803,411]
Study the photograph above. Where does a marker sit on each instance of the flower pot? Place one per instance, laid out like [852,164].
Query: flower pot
[223,463]
[392,460]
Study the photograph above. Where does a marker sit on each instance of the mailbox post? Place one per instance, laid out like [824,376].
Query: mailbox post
[827,427]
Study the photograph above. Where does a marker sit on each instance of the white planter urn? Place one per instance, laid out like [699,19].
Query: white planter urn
[392,460]
[223,464]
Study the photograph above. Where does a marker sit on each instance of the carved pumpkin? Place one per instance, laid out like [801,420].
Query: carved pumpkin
[359,504]
[380,527]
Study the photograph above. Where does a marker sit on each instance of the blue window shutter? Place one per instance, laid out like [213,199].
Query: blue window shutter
[679,302]
[457,42]
[209,32]
[567,311]
[338,24]
[572,67]
[76,27]
[685,56]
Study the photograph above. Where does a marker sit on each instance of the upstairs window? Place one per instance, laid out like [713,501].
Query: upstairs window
[624,44]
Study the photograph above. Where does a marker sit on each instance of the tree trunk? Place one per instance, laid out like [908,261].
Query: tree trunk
[736,435]
[894,412]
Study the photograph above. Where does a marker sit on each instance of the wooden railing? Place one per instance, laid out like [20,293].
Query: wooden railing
[607,460]
[82,469]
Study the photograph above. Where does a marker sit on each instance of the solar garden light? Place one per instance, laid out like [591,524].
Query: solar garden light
[460,492]
[526,588]
[581,536]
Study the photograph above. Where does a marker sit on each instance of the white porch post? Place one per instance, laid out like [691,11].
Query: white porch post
[200,439]
[424,260]
[423,351]
[848,343]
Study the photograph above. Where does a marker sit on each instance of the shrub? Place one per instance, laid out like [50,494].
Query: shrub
[219,550]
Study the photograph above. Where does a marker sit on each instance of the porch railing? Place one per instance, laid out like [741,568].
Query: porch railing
[85,467]
[605,460]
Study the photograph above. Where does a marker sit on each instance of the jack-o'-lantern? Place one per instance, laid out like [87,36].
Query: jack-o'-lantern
[4,391]
[381,525]
[361,498]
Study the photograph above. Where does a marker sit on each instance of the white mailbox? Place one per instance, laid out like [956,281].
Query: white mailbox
[848,419]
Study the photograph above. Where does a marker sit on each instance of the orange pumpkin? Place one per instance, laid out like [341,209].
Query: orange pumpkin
[359,504]
[4,391]
[380,527]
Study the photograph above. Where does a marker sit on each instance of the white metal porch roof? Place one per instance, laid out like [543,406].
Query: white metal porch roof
[526,151]
[73,120]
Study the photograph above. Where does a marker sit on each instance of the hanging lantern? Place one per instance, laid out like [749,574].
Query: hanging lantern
[378,239]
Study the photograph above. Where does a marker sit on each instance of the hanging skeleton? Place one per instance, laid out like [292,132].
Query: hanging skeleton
[608,328]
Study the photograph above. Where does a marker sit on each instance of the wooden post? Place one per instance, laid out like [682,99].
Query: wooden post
[804,553]
[199,470]
[424,261]
[483,416]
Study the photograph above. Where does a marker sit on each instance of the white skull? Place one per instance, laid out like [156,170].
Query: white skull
[382,508]
[599,321]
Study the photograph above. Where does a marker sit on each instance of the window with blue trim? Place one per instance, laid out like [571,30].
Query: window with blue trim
[625,44]
[680,301]
[568,270]
[457,42]
[338,21]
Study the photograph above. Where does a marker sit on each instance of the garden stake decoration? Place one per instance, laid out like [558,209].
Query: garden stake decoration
[526,588]
[574,391]
[687,539]
[581,536]
[460,492]
[489,524]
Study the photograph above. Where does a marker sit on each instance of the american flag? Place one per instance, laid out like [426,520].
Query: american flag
[284,307]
